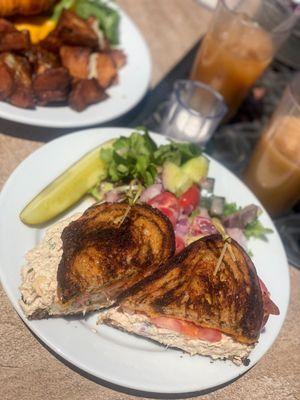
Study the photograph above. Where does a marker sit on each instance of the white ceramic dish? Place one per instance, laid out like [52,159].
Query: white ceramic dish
[106,353]
[134,80]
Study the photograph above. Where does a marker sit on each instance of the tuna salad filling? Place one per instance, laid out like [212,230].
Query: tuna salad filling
[225,348]
[38,289]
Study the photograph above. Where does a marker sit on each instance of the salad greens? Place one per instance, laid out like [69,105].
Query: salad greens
[175,152]
[253,229]
[131,158]
[257,230]
[230,208]
[138,157]
[60,6]
[108,18]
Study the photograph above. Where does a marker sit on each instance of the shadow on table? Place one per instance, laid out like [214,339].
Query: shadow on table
[122,389]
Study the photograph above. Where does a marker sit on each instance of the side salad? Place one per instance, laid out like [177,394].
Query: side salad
[174,179]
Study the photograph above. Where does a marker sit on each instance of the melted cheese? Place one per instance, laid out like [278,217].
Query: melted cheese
[38,27]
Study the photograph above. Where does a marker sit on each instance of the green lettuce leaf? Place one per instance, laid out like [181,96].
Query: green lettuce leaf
[178,153]
[131,158]
[138,157]
[257,230]
[230,208]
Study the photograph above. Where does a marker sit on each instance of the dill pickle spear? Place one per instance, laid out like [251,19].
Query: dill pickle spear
[67,188]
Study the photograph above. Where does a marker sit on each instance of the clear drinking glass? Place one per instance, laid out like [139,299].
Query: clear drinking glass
[193,113]
[274,169]
[239,45]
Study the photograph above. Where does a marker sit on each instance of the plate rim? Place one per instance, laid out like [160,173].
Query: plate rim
[82,366]
[13,115]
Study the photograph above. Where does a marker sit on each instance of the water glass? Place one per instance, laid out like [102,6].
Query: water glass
[193,113]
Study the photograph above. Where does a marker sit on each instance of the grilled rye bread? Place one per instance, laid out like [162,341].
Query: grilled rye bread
[84,263]
[101,251]
[194,286]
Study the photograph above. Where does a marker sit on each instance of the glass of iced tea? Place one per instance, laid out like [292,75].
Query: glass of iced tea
[239,45]
[274,169]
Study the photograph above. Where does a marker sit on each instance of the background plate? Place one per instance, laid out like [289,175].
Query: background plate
[106,353]
[134,80]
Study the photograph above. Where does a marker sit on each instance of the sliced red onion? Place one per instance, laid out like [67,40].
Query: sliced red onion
[183,226]
[202,226]
[238,235]
[158,179]
[241,218]
[143,328]
[187,210]
[151,192]
[113,196]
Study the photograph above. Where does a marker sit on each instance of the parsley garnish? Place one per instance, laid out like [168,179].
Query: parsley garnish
[230,208]
[253,229]
[138,157]
[257,230]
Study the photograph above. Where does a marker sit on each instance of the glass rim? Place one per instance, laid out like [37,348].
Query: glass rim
[200,85]
[232,10]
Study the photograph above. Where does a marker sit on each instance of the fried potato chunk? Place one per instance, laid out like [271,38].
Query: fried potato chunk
[76,60]
[84,93]
[52,86]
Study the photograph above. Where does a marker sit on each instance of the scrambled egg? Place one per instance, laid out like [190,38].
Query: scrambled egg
[39,27]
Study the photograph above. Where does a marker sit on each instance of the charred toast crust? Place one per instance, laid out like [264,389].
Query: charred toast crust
[42,313]
[98,251]
[186,287]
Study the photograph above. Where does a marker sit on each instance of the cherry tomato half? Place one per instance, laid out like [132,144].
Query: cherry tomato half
[165,199]
[190,200]
[168,204]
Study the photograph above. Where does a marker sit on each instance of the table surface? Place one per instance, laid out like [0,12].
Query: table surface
[27,369]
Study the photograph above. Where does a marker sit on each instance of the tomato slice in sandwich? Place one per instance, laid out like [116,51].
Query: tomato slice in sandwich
[187,328]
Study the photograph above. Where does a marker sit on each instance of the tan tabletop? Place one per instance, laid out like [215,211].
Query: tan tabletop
[28,371]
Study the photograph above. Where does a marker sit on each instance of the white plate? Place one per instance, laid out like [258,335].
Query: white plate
[114,356]
[134,80]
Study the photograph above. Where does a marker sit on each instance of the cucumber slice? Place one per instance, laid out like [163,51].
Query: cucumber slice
[174,179]
[217,206]
[196,168]
[66,189]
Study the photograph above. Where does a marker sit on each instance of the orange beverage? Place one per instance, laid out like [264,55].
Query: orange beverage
[237,48]
[232,65]
[274,169]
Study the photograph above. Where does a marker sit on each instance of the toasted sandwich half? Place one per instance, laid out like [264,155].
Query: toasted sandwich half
[84,263]
[206,300]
